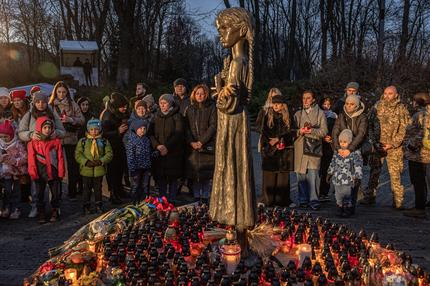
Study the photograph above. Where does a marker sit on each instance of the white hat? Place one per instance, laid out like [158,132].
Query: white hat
[4,92]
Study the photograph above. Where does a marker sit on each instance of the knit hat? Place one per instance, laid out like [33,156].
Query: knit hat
[94,123]
[149,99]
[117,100]
[82,100]
[140,103]
[19,93]
[346,135]
[353,85]
[4,92]
[354,99]
[48,122]
[136,124]
[167,97]
[34,89]
[279,99]
[180,81]
[40,96]
[6,128]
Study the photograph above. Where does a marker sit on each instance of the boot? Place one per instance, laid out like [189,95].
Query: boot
[86,209]
[99,207]
[416,213]
[114,199]
[41,217]
[55,215]
[368,200]
[339,211]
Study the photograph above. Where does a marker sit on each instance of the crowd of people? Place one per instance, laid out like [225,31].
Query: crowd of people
[44,137]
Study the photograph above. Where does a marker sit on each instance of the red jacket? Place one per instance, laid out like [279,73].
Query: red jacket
[45,152]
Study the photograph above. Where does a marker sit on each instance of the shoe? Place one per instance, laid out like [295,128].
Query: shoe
[55,215]
[416,213]
[368,201]
[41,218]
[86,210]
[324,198]
[99,209]
[339,211]
[303,205]
[5,213]
[33,212]
[314,207]
[292,205]
[72,198]
[16,214]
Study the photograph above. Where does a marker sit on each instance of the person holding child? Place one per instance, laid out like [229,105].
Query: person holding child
[93,153]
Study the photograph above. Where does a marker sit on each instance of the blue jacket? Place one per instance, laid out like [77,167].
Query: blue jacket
[139,153]
[346,170]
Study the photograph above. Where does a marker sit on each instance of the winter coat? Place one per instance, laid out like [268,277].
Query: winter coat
[183,103]
[139,153]
[275,160]
[111,120]
[414,149]
[345,171]
[387,122]
[319,129]
[27,125]
[149,117]
[201,125]
[356,122]
[168,130]
[45,158]
[14,163]
[83,155]
[72,110]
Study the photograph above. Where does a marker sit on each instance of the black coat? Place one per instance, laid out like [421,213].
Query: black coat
[201,122]
[357,123]
[275,160]
[168,130]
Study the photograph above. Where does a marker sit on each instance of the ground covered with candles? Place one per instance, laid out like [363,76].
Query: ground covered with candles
[157,244]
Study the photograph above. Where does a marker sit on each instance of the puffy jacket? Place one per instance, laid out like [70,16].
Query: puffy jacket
[139,153]
[14,158]
[168,130]
[387,122]
[356,122]
[201,125]
[45,157]
[346,170]
[275,160]
[413,143]
[72,110]
[83,155]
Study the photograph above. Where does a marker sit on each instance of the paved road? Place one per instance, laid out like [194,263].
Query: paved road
[24,243]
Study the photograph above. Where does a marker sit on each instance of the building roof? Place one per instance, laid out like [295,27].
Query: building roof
[78,46]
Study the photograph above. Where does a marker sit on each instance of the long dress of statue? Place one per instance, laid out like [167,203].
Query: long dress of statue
[233,194]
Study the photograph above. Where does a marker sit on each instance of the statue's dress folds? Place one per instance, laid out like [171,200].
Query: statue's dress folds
[233,193]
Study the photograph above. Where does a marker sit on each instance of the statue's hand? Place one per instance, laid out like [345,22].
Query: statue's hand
[218,82]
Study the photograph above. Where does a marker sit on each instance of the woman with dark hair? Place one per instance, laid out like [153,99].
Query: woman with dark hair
[73,120]
[330,116]
[20,105]
[201,119]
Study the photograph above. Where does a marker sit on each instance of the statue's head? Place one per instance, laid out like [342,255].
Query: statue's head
[234,24]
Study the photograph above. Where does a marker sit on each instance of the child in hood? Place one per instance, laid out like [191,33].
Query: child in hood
[345,173]
[93,153]
[46,166]
[13,165]
[139,155]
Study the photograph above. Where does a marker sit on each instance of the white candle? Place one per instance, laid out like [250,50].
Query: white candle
[303,251]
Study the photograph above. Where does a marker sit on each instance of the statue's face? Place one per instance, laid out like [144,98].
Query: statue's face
[229,34]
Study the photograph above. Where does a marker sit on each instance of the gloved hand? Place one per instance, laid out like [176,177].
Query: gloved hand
[97,163]
[328,179]
[90,164]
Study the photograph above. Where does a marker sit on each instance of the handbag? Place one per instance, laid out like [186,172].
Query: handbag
[312,147]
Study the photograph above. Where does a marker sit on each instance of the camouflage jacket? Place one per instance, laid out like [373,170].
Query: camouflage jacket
[387,122]
[414,147]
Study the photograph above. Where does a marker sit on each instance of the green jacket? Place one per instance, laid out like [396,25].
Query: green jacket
[83,154]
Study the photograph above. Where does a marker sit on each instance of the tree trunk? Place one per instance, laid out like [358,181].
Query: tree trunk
[292,40]
[381,42]
[227,4]
[404,37]
[323,33]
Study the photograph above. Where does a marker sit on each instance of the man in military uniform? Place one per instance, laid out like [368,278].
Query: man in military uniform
[388,119]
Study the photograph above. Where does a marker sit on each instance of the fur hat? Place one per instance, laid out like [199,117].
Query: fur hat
[136,124]
[4,92]
[180,81]
[149,99]
[353,98]
[167,97]
[346,135]
[94,123]
[353,85]
[117,100]
[19,93]
[6,128]
[40,96]
[279,99]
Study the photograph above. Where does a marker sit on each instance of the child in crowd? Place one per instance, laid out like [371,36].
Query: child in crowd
[139,155]
[344,173]
[46,166]
[13,164]
[93,153]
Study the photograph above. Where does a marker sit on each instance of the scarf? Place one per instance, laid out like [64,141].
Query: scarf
[167,112]
[94,147]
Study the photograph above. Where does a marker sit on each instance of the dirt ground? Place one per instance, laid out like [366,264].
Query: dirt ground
[24,243]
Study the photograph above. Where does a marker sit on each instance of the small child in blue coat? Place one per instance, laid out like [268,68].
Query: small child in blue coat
[139,157]
[344,173]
